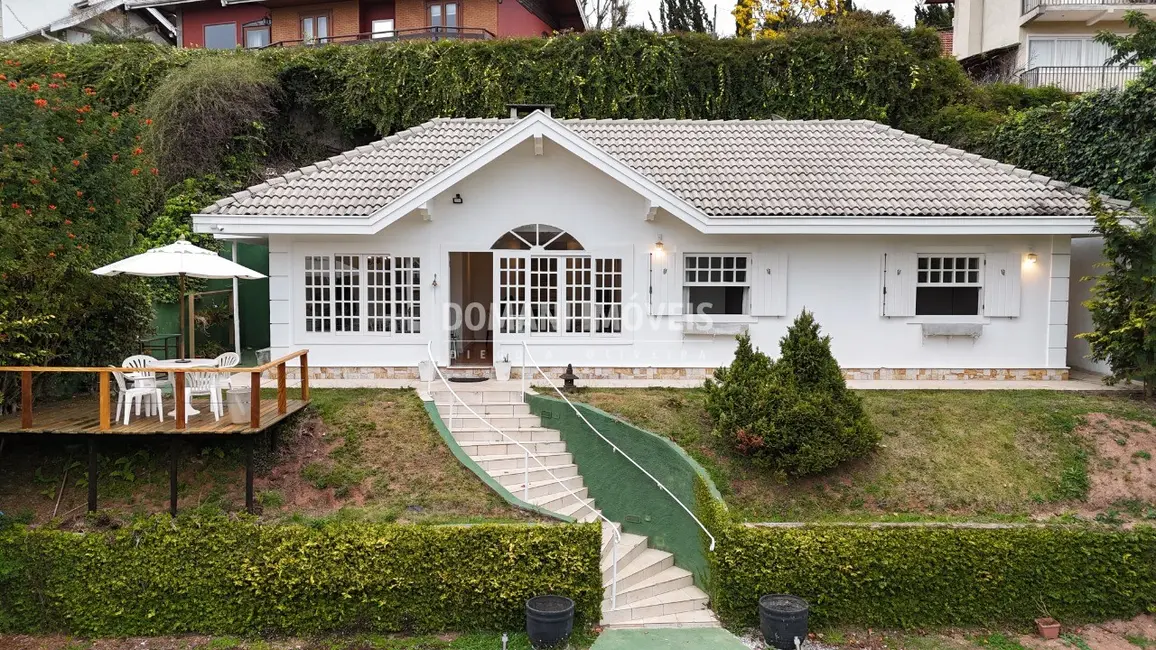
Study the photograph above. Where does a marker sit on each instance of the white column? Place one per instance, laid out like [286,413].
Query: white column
[236,309]
[1058,292]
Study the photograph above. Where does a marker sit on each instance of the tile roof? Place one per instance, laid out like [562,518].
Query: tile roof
[723,168]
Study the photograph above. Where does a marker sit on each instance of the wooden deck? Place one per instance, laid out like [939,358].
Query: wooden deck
[81,415]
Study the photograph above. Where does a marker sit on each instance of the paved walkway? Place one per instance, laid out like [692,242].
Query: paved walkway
[713,638]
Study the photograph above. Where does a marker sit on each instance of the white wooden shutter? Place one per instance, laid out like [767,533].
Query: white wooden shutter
[899,284]
[664,282]
[769,285]
[1001,285]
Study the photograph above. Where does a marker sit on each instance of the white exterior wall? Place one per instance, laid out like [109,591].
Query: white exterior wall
[839,278]
[1086,252]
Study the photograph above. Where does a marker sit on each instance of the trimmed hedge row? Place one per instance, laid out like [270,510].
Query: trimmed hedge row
[910,576]
[235,576]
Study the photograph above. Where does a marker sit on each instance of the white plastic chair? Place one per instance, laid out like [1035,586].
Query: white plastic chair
[228,360]
[140,379]
[202,383]
[140,394]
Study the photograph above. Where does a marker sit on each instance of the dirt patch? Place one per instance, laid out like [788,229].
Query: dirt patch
[1123,467]
[1139,632]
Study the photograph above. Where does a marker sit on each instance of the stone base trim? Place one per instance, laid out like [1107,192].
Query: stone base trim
[691,374]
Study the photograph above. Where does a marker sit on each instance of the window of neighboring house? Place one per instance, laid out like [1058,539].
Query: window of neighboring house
[1066,52]
[382,28]
[948,285]
[257,36]
[315,28]
[351,294]
[717,284]
[443,14]
[221,37]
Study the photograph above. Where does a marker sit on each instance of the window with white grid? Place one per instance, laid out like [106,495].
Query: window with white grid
[608,295]
[948,285]
[318,294]
[407,295]
[347,293]
[717,283]
[579,292]
[378,294]
[512,295]
[543,294]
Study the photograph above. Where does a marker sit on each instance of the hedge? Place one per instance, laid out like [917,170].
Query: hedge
[910,576]
[855,69]
[220,576]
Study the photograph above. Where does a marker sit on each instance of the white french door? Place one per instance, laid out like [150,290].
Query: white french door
[557,295]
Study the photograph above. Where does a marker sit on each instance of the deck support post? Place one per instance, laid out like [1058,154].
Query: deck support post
[25,399]
[305,376]
[105,404]
[173,476]
[282,396]
[249,474]
[255,400]
[92,473]
[179,398]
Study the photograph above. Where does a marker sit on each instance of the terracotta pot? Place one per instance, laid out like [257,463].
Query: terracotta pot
[1049,628]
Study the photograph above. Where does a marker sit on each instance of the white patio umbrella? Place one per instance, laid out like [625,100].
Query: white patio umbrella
[184,260]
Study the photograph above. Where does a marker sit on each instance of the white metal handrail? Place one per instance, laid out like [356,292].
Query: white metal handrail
[527,455]
[526,355]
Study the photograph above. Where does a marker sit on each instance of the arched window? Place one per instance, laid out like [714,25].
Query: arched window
[537,236]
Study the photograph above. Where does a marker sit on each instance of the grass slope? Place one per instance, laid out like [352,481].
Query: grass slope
[366,454]
[995,455]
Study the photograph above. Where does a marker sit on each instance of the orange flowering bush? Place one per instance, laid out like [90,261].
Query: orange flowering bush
[70,201]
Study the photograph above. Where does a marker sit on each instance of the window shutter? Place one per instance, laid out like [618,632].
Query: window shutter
[769,285]
[899,284]
[1001,285]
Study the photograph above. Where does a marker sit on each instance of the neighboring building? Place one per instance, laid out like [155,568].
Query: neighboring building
[1043,42]
[79,22]
[639,248]
[226,24]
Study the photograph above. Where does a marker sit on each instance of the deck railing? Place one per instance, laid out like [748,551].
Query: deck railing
[411,34]
[1079,79]
[1029,5]
[104,374]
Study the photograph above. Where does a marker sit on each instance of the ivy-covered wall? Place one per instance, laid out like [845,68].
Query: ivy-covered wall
[238,577]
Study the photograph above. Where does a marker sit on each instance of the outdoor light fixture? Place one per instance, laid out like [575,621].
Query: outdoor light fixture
[1033,258]
[658,245]
[457,198]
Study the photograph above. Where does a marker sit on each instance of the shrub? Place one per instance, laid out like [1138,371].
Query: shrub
[210,111]
[212,575]
[795,415]
[73,182]
[913,576]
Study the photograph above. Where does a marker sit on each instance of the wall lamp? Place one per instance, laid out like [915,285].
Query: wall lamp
[1033,258]
[457,199]
[658,246]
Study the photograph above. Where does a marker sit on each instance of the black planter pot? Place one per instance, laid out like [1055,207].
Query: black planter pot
[783,619]
[549,620]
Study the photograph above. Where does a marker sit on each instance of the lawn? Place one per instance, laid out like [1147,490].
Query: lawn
[978,455]
[362,454]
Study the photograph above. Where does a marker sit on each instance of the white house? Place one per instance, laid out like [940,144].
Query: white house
[638,248]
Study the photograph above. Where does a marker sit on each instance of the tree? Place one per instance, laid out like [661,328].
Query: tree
[606,14]
[1132,48]
[795,415]
[683,16]
[74,180]
[935,16]
[1123,302]
[770,17]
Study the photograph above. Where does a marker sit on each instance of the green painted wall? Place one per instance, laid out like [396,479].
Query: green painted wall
[622,491]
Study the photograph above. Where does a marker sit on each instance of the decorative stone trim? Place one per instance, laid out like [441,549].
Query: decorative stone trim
[696,374]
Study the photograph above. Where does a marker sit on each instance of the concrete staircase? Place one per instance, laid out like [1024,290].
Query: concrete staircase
[652,592]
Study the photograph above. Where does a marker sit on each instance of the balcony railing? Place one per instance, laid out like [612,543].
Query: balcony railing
[1029,5]
[411,34]
[1079,79]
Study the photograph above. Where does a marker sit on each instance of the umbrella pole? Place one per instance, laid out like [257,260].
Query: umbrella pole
[181,320]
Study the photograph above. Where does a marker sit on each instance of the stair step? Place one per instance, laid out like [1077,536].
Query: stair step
[472,397]
[548,487]
[686,599]
[510,449]
[557,500]
[577,510]
[590,516]
[476,436]
[518,461]
[487,409]
[649,563]
[670,579]
[500,421]
[517,476]
[629,548]
[697,618]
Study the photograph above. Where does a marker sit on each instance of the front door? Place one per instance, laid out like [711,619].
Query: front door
[472,296]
